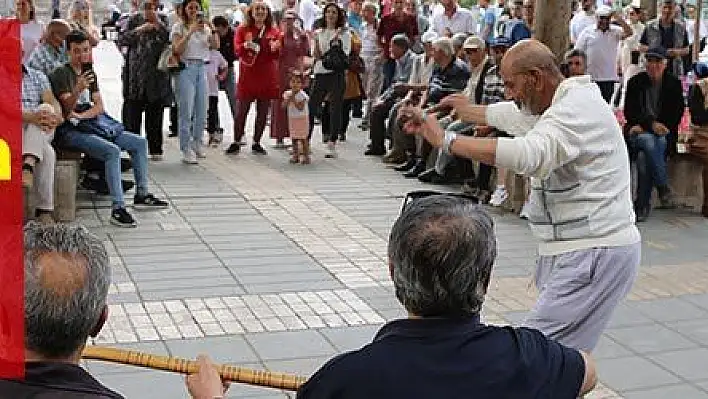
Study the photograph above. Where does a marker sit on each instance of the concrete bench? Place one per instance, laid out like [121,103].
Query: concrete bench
[686,180]
[66,180]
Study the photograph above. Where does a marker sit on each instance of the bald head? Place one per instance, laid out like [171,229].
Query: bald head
[530,54]
[531,75]
[56,32]
[67,274]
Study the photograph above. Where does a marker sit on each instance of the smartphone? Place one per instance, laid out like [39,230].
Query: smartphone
[86,67]
[200,16]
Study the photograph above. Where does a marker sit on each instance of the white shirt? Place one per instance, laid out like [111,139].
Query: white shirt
[462,21]
[323,37]
[421,70]
[31,33]
[576,155]
[216,62]
[690,29]
[601,50]
[293,112]
[579,22]
[369,41]
[308,13]
[197,47]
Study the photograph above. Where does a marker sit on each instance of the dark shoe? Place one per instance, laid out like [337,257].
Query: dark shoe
[342,137]
[257,149]
[233,149]
[704,210]
[375,151]
[642,213]
[173,134]
[416,170]
[406,166]
[125,165]
[667,201]
[433,177]
[148,201]
[120,217]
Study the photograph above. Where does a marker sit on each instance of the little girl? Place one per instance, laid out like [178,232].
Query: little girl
[295,101]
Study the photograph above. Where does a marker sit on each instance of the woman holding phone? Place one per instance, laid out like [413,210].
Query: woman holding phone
[192,37]
[258,45]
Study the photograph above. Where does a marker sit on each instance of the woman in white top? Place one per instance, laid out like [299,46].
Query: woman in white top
[191,40]
[631,43]
[81,18]
[329,84]
[31,30]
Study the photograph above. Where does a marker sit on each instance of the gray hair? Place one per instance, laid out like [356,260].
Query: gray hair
[458,40]
[401,41]
[444,44]
[442,249]
[371,5]
[60,316]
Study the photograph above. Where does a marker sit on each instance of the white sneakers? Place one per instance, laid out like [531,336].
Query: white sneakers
[499,196]
[189,157]
[331,150]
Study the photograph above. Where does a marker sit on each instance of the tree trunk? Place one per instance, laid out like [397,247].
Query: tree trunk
[649,9]
[551,25]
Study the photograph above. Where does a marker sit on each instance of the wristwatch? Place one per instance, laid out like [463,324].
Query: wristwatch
[448,139]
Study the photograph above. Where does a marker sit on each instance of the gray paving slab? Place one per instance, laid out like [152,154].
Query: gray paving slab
[632,373]
[290,345]
[696,330]
[205,292]
[279,286]
[688,364]
[650,339]
[350,338]
[231,349]
[146,384]
[671,309]
[304,367]
[673,391]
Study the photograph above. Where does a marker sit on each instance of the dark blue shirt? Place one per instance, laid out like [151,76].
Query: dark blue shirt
[451,358]
[448,80]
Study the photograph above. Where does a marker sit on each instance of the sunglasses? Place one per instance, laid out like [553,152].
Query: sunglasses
[420,194]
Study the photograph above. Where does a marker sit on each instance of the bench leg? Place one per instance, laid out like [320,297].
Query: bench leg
[65,184]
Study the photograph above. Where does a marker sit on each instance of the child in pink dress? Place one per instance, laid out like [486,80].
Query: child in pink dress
[295,101]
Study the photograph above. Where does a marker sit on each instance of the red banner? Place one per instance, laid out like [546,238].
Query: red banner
[11,204]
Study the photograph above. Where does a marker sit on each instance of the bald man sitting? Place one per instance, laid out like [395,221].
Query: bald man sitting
[51,53]
[580,204]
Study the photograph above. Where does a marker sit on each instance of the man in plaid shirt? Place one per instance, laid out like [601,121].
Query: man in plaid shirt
[41,114]
[51,53]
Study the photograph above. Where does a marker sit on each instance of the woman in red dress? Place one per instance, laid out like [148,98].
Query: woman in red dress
[296,48]
[258,44]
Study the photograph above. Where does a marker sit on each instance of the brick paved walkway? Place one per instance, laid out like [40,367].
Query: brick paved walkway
[270,265]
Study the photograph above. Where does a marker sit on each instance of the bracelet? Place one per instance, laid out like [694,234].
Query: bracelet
[448,139]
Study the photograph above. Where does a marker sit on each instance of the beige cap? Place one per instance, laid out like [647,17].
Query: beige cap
[474,42]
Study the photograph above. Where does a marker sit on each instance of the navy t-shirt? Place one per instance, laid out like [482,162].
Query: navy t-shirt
[451,358]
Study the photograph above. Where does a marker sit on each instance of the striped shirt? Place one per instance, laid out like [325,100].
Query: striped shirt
[46,58]
[493,89]
[34,83]
[445,81]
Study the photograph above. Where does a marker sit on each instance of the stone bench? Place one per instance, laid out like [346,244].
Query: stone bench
[686,181]
[66,178]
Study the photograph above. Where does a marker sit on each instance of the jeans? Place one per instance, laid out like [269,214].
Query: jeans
[651,164]
[230,86]
[109,152]
[192,105]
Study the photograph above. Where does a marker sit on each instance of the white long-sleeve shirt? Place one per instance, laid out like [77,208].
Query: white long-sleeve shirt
[579,167]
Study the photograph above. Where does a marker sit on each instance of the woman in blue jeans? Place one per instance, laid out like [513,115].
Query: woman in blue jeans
[191,40]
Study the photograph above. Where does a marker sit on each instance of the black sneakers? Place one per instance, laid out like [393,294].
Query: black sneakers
[234,148]
[257,149]
[121,218]
[148,201]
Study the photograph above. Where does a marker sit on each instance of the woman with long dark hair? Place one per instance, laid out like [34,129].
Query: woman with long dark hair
[191,40]
[147,89]
[258,45]
[329,83]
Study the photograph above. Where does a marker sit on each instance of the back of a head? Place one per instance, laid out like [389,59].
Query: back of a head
[442,249]
[531,53]
[67,274]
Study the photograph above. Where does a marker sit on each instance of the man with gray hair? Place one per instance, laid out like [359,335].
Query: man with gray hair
[441,251]
[67,274]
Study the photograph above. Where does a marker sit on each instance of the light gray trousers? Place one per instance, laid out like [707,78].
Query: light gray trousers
[37,143]
[578,292]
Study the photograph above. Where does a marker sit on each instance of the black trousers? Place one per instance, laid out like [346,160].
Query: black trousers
[174,117]
[607,89]
[133,120]
[213,124]
[330,85]
[347,106]
[377,127]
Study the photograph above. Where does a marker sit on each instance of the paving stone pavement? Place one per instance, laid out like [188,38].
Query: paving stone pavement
[269,265]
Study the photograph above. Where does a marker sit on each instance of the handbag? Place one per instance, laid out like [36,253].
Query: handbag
[334,58]
[103,126]
[169,62]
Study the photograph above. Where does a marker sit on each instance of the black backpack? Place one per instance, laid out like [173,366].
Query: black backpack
[335,59]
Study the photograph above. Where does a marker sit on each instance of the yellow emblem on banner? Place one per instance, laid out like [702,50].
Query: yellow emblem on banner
[5,174]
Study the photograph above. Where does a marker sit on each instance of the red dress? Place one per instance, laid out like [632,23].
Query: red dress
[260,80]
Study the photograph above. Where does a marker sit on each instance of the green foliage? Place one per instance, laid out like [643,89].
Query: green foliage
[467,3]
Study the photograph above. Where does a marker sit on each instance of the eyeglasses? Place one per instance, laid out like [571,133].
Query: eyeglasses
[417,195]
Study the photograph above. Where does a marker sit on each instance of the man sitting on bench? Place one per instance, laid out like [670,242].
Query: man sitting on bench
[74,84]
[41,114]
